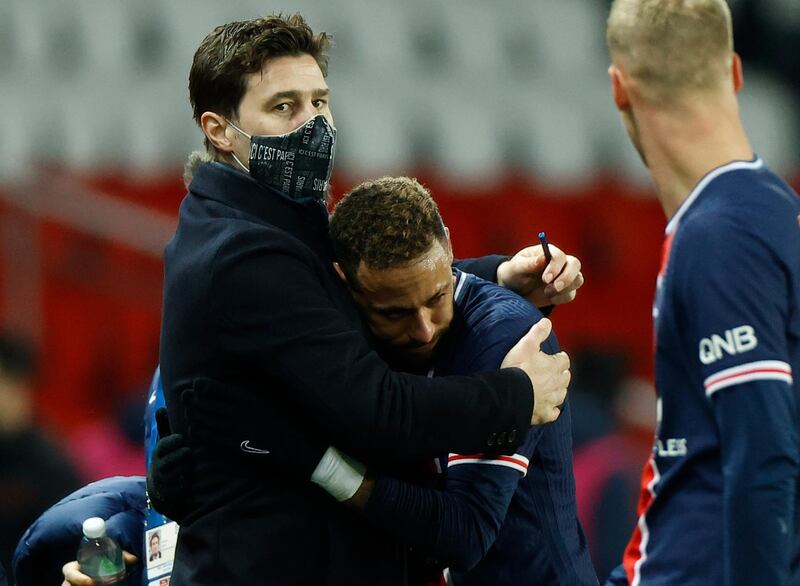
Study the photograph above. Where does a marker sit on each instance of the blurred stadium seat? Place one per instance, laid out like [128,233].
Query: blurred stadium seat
[770,117]
[416,81]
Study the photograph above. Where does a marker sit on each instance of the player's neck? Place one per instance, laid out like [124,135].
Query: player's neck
[682,145]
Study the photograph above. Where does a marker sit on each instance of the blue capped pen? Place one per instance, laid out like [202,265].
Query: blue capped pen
[545,247]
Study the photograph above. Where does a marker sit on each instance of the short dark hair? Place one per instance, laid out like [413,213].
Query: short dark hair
[232,51]
[385,223]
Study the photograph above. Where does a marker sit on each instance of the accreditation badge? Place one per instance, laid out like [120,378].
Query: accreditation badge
[160,539]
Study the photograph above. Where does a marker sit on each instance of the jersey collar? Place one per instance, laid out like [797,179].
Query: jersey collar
[756,163]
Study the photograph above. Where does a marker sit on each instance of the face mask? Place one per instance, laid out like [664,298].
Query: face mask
[298,163]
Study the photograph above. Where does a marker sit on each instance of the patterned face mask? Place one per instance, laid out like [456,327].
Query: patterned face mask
[298,163]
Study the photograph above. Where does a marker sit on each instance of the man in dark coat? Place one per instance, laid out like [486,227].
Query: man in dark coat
[251,298]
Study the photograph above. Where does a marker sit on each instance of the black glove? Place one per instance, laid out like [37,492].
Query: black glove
[170,470]
[250,430]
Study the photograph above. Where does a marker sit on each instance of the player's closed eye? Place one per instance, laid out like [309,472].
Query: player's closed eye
[436,300]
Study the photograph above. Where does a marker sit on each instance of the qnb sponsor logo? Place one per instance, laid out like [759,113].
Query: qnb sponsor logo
[735,341]
[673,447]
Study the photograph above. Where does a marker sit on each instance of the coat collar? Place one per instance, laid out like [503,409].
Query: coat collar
[306,220]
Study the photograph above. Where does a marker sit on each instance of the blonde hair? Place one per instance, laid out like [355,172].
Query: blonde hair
[672,45]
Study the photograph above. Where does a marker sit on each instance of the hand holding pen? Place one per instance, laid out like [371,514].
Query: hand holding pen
[543,274]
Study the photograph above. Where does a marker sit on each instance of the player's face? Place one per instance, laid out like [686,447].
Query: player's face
[287,92]
[409,308]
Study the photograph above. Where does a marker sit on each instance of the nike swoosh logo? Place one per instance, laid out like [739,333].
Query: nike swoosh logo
[246,447]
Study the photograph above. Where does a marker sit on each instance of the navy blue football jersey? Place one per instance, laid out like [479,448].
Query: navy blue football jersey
[719,500]
[530,494]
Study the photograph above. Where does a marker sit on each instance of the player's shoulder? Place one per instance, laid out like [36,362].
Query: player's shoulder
[484,304]
[747,199]
[741,207]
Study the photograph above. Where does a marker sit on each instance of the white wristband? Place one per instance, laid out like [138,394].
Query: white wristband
[339,474]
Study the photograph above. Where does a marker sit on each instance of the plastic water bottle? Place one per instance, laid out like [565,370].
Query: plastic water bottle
[99,556]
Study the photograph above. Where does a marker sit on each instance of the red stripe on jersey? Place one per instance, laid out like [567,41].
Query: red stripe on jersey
[511,459]
[713,381]
[665,250]
[633,552]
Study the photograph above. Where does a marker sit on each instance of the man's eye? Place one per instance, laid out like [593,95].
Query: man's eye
[282,107]
[319,103]
[392,315]
[438,299]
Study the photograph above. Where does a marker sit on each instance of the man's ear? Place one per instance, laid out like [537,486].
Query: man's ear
[618,89]
[449,243]
[738,73]
[215,128]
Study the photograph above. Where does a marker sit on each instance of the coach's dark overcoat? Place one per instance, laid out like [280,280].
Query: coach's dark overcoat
[251,298]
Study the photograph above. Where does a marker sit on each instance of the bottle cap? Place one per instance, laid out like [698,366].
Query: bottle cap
[94,528]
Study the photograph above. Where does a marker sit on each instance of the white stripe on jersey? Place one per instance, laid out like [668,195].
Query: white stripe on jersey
[448,578]
[708,178]
[462,278]
[759,370]
[517,461]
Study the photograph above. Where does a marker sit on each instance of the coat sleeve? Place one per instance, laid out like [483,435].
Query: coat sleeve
[274,309]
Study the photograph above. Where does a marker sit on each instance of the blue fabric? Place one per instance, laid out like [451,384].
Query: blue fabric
[53,539]
[155,401]
[618,577]
[489,524]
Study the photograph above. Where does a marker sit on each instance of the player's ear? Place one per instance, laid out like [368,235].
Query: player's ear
[215,127]
[618,89]
[738,73]
[449,242]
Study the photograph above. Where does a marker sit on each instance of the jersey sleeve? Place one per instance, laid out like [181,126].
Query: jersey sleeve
[735,294]
[459,524]
[487,343]
[736,298]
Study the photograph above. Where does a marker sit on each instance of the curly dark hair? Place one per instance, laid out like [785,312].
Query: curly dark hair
[217,79]
[385,223]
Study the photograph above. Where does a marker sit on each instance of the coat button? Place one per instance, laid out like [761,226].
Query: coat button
[501,438]
[491,439]
[512,436]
